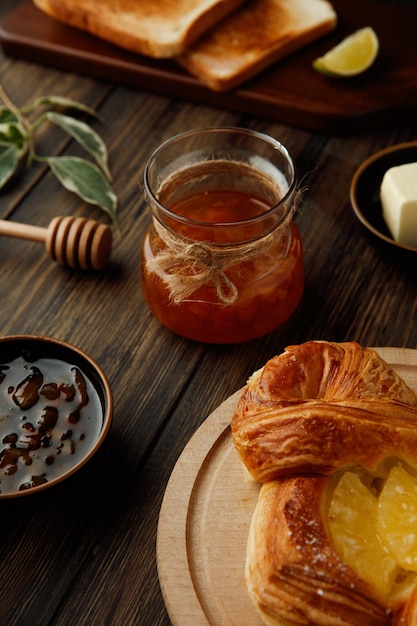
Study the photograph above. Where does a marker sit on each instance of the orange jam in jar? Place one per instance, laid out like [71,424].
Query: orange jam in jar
[222,259]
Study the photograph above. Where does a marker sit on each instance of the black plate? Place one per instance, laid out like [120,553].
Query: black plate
[364,196]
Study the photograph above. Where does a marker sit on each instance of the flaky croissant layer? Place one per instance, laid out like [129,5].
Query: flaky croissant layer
[294,574]
[320,406]
[317,409]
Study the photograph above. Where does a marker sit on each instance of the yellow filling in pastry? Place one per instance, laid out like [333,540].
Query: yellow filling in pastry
[373,525]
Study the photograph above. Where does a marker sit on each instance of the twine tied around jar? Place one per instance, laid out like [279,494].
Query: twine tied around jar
[185,266]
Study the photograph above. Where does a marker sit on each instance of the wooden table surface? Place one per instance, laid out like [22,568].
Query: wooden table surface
[84,552]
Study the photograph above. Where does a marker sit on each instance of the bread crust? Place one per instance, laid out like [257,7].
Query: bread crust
[254,37]
[156,28]
[308,415]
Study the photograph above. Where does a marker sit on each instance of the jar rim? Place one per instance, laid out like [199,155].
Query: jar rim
[274,143]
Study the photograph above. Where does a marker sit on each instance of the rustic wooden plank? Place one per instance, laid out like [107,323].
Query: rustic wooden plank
[88,548]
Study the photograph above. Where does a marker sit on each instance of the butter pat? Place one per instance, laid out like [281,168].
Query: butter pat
[398,196]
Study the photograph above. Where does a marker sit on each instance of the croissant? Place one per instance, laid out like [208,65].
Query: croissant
[310,414]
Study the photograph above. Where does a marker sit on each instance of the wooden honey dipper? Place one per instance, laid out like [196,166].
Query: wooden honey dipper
[73,241]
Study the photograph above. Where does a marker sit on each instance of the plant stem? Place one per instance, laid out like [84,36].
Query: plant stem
[25,122]
[7,101]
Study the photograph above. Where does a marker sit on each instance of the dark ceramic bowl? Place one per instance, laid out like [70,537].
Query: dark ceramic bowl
[56,407]
[364,196]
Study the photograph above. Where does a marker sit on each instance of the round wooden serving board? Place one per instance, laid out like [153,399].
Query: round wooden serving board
[205,517]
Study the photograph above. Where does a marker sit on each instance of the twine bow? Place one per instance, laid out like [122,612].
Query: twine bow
[186,266]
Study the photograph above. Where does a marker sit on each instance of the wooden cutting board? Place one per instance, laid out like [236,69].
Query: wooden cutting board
[205,517]
[290,91]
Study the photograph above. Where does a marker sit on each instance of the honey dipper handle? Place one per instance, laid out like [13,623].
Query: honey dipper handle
[23,231]
[72,241]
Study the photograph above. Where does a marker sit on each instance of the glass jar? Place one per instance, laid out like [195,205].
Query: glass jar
[222,258]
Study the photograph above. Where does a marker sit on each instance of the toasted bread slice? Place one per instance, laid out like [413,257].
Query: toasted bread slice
[256,35]
[156,28]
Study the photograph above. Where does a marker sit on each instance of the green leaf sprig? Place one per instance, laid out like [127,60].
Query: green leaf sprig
[90,181]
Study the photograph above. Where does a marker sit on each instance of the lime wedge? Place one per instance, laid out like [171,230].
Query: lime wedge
[352,56]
